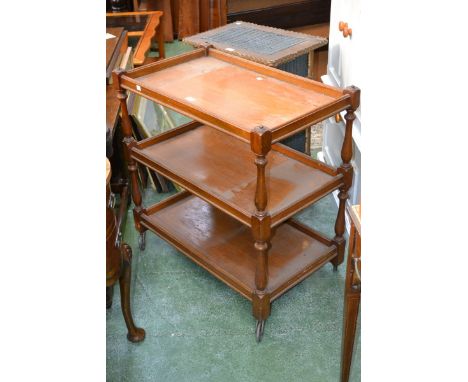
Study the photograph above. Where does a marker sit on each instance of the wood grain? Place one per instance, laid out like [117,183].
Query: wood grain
[225,248]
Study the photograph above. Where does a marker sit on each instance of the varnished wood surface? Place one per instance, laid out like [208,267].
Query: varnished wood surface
[235,94]
[112,108]
[225,247]
[250,100]
[223,168]
[111,43]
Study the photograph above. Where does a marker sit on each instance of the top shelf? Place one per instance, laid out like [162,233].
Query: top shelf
[234,94]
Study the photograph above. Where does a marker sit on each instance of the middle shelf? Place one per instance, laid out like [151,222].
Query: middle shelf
[220,169]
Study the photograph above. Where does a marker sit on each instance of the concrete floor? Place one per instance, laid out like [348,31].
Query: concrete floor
[198,329]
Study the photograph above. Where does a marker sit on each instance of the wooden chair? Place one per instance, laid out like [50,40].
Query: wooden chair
[118,262]
[147,25]
[352,297]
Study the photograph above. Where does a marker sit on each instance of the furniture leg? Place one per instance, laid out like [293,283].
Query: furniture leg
[134,334]
[347,171]
[352,301]
[129,142]
[109,296]
[261,229]
[160,36]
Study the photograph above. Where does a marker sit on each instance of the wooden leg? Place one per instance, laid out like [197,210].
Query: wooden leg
[109,296]
[129,142]
[134,334]
[160,36]
[351,310]
[308,139]
[339,229]
[352,301]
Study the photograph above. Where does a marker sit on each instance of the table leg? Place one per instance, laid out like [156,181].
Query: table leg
[134,334]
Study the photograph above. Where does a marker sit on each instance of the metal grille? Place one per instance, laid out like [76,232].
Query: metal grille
[258,41]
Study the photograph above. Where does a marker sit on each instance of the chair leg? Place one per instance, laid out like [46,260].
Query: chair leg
[109,296]
[351,310]
[134,334]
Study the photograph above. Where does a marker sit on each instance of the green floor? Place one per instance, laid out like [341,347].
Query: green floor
[198,329]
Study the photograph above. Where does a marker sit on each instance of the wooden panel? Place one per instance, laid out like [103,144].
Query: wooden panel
[287,15]
[251,99]
[225,247]
[223,166]
[112,50]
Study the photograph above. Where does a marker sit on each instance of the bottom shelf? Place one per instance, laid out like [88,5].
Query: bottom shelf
[225,247]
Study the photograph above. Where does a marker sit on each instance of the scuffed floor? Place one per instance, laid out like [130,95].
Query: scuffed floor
[198,329]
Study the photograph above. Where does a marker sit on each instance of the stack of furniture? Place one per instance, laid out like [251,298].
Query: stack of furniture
[241,187]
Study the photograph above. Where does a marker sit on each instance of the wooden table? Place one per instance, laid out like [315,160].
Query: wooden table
[352,291]
[118,264]
[242,188]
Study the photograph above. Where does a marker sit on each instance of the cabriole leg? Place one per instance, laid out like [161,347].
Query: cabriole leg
[134,334]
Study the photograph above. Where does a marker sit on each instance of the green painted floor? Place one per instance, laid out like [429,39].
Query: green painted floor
[198,329]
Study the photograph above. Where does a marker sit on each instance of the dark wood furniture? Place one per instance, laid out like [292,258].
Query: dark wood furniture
[115,49]
[235,218]
[118,264]
[352,297]
[289,15]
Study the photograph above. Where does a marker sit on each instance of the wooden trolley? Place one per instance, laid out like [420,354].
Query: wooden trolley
[242,188]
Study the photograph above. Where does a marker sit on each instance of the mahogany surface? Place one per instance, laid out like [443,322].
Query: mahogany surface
[253,99]
[204,156]
[235,94]
[225,248]
[111,43]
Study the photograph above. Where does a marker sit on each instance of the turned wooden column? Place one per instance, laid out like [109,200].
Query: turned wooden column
[260,140]
[129,142]
[347,170]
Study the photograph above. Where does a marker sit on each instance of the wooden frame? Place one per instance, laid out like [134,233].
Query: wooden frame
[352,297]
[151,31]
[241,195]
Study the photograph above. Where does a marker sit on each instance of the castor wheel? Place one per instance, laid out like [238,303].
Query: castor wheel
[142,241]
[259,330]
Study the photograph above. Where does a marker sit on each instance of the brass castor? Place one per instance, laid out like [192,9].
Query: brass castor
[142,241]
[259,330]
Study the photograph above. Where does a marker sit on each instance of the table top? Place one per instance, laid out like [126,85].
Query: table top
[262,44]
[235,94]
